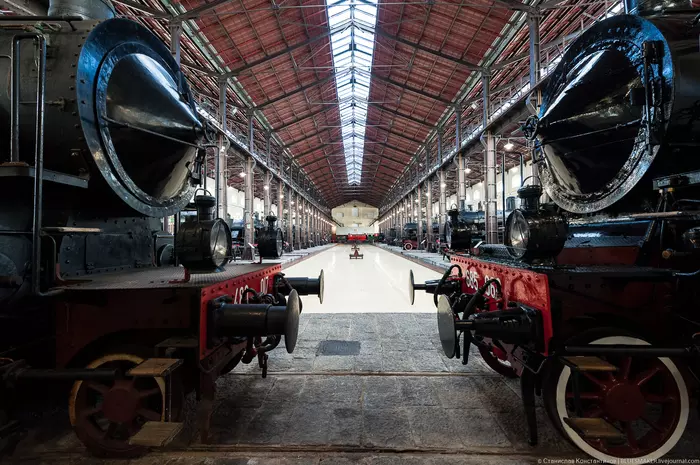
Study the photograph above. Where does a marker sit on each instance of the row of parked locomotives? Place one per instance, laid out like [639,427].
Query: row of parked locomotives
[101,140]
[593,299]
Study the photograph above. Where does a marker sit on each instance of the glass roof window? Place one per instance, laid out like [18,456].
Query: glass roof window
[353,48]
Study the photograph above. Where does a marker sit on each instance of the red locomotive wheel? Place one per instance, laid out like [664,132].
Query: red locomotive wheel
[105,415]
[646,399]
[407,246]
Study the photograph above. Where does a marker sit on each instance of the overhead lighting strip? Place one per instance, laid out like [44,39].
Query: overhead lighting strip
[353,48]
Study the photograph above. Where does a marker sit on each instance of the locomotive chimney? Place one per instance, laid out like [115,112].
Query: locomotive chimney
[86,9]
[654,7]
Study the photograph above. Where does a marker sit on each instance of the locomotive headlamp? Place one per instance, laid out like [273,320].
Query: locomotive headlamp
[204,245]
[531,232]
[270,242]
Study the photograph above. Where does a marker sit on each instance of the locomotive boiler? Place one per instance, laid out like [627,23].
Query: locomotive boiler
[102,140]
[592,300]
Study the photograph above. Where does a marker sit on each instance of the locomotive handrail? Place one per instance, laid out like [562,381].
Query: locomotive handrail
[40,41]
[35,19]
[154,133]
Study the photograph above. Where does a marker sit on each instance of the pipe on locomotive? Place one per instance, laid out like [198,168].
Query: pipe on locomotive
[86,9]
[651,7]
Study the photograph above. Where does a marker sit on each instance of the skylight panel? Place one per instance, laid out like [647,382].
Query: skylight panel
[352,48]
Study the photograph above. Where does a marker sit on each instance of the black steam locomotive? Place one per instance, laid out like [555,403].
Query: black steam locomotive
[102,141]
[593,299]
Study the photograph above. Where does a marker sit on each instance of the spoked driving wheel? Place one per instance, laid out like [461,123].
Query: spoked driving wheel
[105,415]
[646,400]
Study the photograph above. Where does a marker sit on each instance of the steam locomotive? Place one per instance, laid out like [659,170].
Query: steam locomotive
[592,300]
[104,141]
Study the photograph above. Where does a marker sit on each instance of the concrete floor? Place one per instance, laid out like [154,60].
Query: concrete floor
[366,385]
[378,283]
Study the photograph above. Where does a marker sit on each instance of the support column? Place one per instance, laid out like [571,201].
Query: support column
[305,217]
[503,190]
[490,200]
[489,142]
[280,204]
[268,147]
[442,205]
[428,214]
[249,196]
[533,23]
[458,126]
[175,39]
[314,219]
[297,227]
[221,174]
[419,215]
[251,131]
[267,195]
[300,221]
[403,216]
[290,221]
[426,147]
[461,183]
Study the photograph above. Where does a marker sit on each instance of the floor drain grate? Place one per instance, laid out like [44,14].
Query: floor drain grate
[339,348]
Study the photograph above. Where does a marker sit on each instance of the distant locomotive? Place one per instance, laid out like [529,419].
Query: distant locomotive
[105,141]
[593,298]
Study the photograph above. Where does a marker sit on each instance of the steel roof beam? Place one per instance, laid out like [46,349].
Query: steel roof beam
[306,137]
[326,157]
[396,149]
[302,118]
[382,155]
[282,52]
[413,90]
[143,8]
[310,151]
[402,115]
[317,169]
[195,67]
[423,48]
[410,139]
[196,12]
[260,106]
[518,6]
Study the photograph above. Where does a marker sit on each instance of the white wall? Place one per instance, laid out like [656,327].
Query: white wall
[360,224]
[236,202]
[475,194]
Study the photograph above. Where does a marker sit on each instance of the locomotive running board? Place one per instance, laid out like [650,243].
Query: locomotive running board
[588,363]
[155,367]
[156,434]
[594,428]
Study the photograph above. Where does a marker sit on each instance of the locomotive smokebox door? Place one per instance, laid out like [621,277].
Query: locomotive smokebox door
[271,243]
